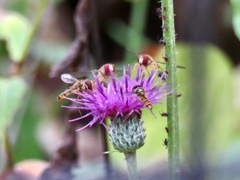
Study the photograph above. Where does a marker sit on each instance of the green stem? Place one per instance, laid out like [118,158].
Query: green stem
[172,102]
[131,165]
[137,25]
[34,28]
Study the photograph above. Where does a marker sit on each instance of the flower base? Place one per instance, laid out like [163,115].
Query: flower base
[127,135]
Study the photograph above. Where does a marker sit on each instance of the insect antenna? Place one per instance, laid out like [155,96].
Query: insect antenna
[132,51]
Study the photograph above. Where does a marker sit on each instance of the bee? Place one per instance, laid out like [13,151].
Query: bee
[103,74]
[145,60]
[140,92]
[78,86]
[105,71]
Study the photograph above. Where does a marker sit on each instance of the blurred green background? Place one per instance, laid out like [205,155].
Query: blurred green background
[37,35]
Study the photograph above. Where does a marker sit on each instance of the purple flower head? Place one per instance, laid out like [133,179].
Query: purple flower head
[117,97]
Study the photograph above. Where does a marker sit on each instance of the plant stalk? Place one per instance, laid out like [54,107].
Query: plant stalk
[36,22]
[131,165]
[172,102]
[137,25]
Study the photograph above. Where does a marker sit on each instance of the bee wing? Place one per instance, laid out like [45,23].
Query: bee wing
[67,78]
[132,51]
[84,74]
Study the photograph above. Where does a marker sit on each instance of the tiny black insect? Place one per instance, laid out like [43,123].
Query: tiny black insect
[165,58]
[162,75]
[164,114]
[162,42]
[179,95]
[167,130]
[165,142]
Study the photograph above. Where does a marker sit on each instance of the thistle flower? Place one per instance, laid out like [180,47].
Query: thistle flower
[122,100]
[117,99]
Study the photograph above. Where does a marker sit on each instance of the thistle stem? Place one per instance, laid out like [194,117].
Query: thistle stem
[131,165]
[172,103]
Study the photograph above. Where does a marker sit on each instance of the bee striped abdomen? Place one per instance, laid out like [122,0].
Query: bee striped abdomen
[146,102]
[63,95]
[78,85]
[74,88]
[139,91]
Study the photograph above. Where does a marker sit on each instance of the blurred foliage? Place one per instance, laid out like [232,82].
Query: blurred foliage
[15,30]
[17,33]
[218,105]
[123,31]
[11,100]
[236,16]
[46,50]
[26,145]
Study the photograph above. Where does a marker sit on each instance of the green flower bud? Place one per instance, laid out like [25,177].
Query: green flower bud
[127,135]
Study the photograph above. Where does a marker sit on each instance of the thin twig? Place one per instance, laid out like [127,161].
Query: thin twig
[79,50]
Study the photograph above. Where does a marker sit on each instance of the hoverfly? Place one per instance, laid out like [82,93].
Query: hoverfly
[78,85]
[105,71]
[145,60]
[103,74]
[140,92]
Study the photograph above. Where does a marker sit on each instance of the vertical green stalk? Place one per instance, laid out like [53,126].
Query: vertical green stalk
[137,23]
[36,22]
[39,13]
[131,165]
[18,66]
[172,102]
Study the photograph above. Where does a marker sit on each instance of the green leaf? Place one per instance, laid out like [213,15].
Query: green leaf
[236,16]
[118,31]
[217,111]
[15,30]
[27,145]
[12,92]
